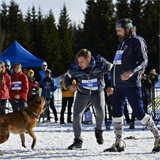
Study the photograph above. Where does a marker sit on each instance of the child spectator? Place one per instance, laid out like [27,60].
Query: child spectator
[19,90]
[33,86]
[49,85]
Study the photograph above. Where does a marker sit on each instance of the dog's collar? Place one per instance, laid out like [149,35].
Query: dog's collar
[35,113]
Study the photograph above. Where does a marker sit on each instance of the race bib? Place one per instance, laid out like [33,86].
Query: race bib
[16,85]
[91,84]
[118,57]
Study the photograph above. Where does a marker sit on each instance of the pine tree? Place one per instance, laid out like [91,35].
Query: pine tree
[50,44]
[150,21]
[15,20]
[34,31]
[123,10]
[136,14]
[4,31]
[65,39]
[27,22]
[99,28]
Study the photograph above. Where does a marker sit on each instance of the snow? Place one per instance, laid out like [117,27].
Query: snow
[53,140]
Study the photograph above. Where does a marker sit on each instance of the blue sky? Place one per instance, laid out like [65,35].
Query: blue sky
[75,8]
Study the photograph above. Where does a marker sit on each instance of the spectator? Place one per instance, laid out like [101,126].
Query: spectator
[146,86]
[5,84]
[49,85]
[19,90]
[41,75]
[8,67]
[33,86]
[67,98]
[153,76]
[25,71]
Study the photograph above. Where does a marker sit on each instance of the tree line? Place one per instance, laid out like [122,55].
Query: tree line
[58,43]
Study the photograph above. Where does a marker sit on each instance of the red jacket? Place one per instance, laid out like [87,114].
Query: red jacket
[32,85]
[24,87]
[5,87]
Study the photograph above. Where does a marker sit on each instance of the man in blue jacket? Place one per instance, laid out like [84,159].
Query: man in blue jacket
[130,59]
[88,71]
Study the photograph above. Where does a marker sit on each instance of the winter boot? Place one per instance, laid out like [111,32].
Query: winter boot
[108,124]
[131,125]
[76,144]
[69,119]
[62,120]
[99,136]
[116,147]
[156,145]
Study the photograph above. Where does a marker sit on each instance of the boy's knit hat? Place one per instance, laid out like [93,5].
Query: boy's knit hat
[30,71]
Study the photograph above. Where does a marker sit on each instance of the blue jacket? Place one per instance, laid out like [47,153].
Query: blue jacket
[95,75]
[133,58]
[48,86]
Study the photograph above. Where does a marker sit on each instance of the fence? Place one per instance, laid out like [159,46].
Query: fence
[58,102]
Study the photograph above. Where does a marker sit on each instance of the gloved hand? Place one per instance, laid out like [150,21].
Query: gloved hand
[47,79]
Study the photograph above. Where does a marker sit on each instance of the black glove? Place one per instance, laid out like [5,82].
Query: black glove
[47,79]
[52,83]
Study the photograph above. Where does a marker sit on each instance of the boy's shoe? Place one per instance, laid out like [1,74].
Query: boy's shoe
[131,125]
[116,147]
[69,121]
[62,122]
[156,145]
[76,144]
[108,124]
[99,136]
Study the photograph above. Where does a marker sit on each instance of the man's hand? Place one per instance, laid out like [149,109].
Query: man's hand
[109,91]
[126,75]
[73,87]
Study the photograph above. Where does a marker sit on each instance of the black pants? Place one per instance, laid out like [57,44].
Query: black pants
[20,105]
[66,100]
[51,105]
[126,114]
[108,101]
[3,103]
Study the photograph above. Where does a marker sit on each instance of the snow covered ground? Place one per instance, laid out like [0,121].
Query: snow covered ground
[53,140]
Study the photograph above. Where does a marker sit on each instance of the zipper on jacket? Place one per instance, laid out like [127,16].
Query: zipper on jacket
[89,79]
[114,70]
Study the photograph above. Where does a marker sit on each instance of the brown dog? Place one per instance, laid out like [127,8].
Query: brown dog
[22,121]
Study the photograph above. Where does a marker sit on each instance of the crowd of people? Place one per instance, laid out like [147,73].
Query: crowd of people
[20,87]
[125,81]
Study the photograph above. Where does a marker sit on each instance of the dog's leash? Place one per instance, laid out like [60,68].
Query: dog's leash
[6,108]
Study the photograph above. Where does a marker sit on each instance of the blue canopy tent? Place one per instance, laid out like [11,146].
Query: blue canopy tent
[17,54]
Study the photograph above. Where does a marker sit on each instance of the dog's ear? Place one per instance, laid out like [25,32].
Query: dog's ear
[38,100]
